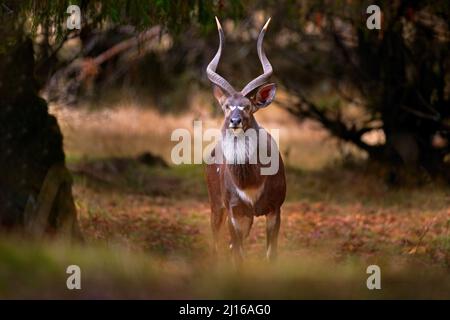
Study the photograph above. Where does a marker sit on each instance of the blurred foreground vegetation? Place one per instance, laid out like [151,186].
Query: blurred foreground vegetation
[38,271]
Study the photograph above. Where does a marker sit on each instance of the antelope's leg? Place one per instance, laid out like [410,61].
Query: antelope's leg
[239,224]
[217,219]
[272,228]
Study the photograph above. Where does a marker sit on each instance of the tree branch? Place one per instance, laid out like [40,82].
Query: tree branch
[307,109]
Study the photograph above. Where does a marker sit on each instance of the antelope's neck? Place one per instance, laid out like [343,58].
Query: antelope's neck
[241,156]
[246,175]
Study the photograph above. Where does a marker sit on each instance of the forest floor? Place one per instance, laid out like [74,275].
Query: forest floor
[147,232]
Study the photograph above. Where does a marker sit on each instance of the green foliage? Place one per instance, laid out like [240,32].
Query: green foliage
[175,14]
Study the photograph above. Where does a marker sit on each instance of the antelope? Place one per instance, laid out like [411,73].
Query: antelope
[237,188]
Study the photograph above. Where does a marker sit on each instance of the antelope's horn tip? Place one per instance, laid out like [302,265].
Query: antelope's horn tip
[267,24]
[218,23]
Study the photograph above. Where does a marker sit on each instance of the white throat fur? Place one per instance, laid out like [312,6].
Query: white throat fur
[240,148]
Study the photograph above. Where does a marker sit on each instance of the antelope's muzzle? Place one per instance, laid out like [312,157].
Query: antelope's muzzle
[235,122]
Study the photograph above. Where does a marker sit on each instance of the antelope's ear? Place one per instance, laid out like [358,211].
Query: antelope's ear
[219,95]
[265,95]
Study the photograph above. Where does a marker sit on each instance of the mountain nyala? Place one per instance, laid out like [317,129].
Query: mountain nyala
[239,188]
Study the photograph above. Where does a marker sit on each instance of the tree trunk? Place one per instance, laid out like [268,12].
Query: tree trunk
[35,186]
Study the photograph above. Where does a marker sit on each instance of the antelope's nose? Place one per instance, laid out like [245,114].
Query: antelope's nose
[235,121]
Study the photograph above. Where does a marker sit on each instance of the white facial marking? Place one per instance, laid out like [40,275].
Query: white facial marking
[233,107]
[241,108]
